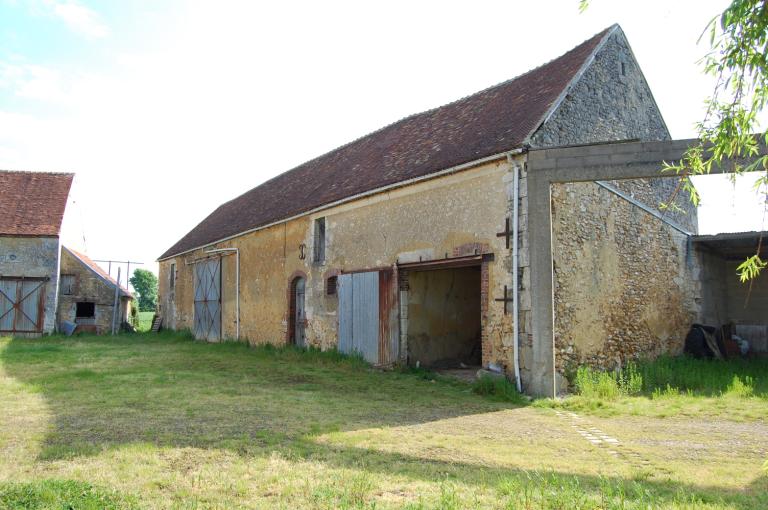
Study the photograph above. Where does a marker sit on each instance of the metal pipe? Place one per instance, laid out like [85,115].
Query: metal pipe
[653,212]
[236,251]
[115,304]
[515,269]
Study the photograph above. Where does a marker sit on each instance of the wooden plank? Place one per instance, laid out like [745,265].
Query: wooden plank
[365,313]
[344,290]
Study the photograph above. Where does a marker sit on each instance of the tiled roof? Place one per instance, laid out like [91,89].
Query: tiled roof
[492,121]
[33,203]
[93,266]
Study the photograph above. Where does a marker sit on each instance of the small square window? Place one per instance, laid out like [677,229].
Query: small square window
[330,285]
[85,310]
[67,284]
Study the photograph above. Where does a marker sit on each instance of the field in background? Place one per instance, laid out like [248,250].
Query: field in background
[145,321]
[158,421]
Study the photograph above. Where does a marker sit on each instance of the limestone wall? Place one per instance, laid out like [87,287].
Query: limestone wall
[624,286]
[36,257]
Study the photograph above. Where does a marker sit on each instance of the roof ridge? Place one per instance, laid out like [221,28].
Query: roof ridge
[604,35]
[41,172]
[93,265]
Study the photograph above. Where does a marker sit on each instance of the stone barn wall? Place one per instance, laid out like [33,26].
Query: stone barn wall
[594,233]
[449,216]
[89,287]
[36,257]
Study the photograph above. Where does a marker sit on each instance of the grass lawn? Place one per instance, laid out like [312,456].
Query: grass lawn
[160,421]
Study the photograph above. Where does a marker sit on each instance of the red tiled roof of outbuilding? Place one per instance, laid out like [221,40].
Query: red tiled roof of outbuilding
[93,266]
[33,203]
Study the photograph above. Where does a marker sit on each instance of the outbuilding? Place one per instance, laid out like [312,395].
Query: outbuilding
[32,208]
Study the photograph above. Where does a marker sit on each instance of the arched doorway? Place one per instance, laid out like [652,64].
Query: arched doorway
[297,317]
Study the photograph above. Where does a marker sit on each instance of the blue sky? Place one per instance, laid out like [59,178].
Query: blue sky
[165,109]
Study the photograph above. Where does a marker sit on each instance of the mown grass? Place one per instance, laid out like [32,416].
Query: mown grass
[668,386]
[161,421]
[62,495]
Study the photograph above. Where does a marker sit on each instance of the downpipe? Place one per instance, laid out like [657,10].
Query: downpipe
[515,269]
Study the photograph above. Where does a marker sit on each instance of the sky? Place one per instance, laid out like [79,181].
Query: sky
[166,109]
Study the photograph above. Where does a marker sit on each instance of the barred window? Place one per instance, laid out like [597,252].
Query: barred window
[330,286]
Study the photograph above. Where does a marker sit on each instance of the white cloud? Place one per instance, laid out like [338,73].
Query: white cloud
[79,18]
[31,81]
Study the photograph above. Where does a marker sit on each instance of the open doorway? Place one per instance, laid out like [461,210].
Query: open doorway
[444,318]
[296,314]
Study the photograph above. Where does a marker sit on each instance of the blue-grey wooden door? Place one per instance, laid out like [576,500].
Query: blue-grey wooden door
[207,318]
[359,314]
[21,305]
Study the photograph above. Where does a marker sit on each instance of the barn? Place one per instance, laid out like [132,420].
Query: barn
[517,229]
[32,208]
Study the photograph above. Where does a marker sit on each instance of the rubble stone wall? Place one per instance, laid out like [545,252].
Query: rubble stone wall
[624,285]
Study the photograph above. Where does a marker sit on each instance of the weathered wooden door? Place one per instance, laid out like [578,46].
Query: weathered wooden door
[359,314]
[207,320]
[300,315]
[22,303]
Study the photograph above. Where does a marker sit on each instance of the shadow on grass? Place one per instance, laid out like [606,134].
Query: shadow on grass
[170,390]
[167,390]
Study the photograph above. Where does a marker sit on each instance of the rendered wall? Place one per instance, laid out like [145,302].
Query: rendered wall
[746,305]
[449,216]
[34,257]
[444,316]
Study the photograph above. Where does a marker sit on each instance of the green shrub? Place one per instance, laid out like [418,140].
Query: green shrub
[593,383]
[739,388]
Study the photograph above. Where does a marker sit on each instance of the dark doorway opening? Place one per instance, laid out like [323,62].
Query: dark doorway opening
[296,314]
[444,318]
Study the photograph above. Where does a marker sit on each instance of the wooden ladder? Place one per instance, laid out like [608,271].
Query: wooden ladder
[157,321]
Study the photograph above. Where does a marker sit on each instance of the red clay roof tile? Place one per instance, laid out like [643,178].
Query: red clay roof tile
[33,203]
[86,260]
